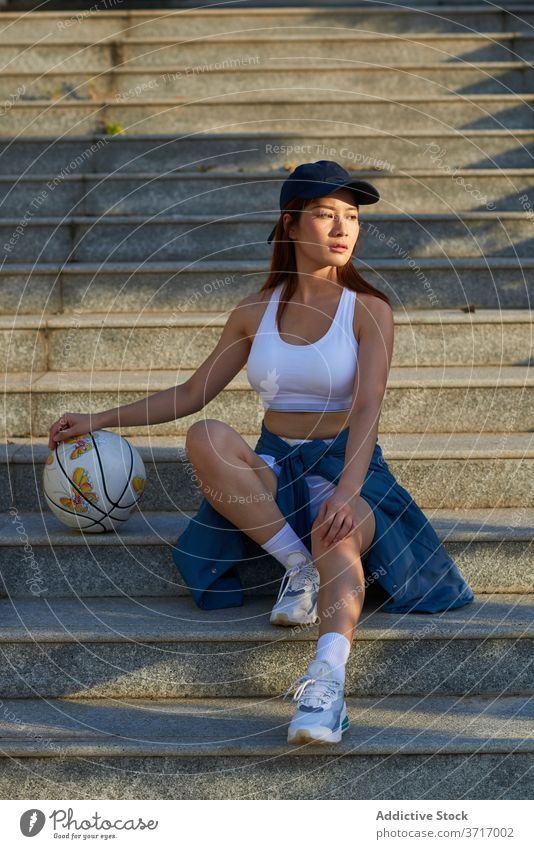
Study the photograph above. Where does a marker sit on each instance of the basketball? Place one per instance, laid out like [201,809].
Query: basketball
[92,481]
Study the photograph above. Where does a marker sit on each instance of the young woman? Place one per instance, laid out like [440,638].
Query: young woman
[321,374]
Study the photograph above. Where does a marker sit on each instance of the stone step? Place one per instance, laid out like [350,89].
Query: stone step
[468,746]
[426,6]
[134,341]
[244,236]
[168,648]
[265,152]
[434,400]
[433,190]
[278,115]
[492,547]
[265,78]
[76,289]
[453,471]
[227,51]
[157,23]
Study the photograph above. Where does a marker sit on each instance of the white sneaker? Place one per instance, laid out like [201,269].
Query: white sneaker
[321,716]
[297,598]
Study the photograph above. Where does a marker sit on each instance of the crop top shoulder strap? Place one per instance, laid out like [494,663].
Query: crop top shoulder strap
[342,321]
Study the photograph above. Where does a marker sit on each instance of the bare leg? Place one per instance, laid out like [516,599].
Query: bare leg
[234,479]
[342,586]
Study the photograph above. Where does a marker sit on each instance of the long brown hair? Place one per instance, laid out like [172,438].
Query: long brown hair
[284,264]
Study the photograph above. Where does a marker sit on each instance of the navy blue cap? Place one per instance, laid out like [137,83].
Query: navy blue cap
[316,179]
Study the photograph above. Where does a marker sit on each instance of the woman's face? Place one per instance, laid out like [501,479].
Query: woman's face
[327,230]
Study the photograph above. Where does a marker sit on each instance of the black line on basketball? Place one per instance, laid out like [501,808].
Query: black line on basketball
[115,503]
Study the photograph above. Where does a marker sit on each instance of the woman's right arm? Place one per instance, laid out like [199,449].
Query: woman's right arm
[225,361]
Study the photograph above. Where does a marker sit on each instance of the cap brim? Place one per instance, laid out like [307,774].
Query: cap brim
[366,192]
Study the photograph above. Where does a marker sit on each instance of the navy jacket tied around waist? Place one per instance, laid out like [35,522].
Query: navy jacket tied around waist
[406,556]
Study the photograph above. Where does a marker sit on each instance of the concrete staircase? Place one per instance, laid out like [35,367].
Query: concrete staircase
[122,255]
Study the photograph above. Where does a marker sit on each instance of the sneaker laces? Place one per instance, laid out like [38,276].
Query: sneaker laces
[314,692]
[297,577]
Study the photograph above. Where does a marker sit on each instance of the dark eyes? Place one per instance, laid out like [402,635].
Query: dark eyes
[331,215]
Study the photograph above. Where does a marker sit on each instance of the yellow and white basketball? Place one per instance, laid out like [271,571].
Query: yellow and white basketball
[92,481]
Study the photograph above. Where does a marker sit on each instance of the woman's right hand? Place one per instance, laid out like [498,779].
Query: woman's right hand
[70,424]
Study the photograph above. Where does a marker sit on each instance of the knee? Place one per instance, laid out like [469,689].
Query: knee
[351,545]
[205,439]
[361,538]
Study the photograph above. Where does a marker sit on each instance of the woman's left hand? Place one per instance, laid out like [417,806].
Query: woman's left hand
[337,518]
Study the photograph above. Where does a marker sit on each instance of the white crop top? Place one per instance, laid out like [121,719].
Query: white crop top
[309,377]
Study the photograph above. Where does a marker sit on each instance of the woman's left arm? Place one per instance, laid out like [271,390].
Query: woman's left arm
[374,362]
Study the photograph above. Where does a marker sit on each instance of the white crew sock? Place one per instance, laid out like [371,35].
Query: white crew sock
[285,545]
[334,648]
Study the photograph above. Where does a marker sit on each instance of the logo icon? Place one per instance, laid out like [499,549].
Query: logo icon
[269,386]
[32,822]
